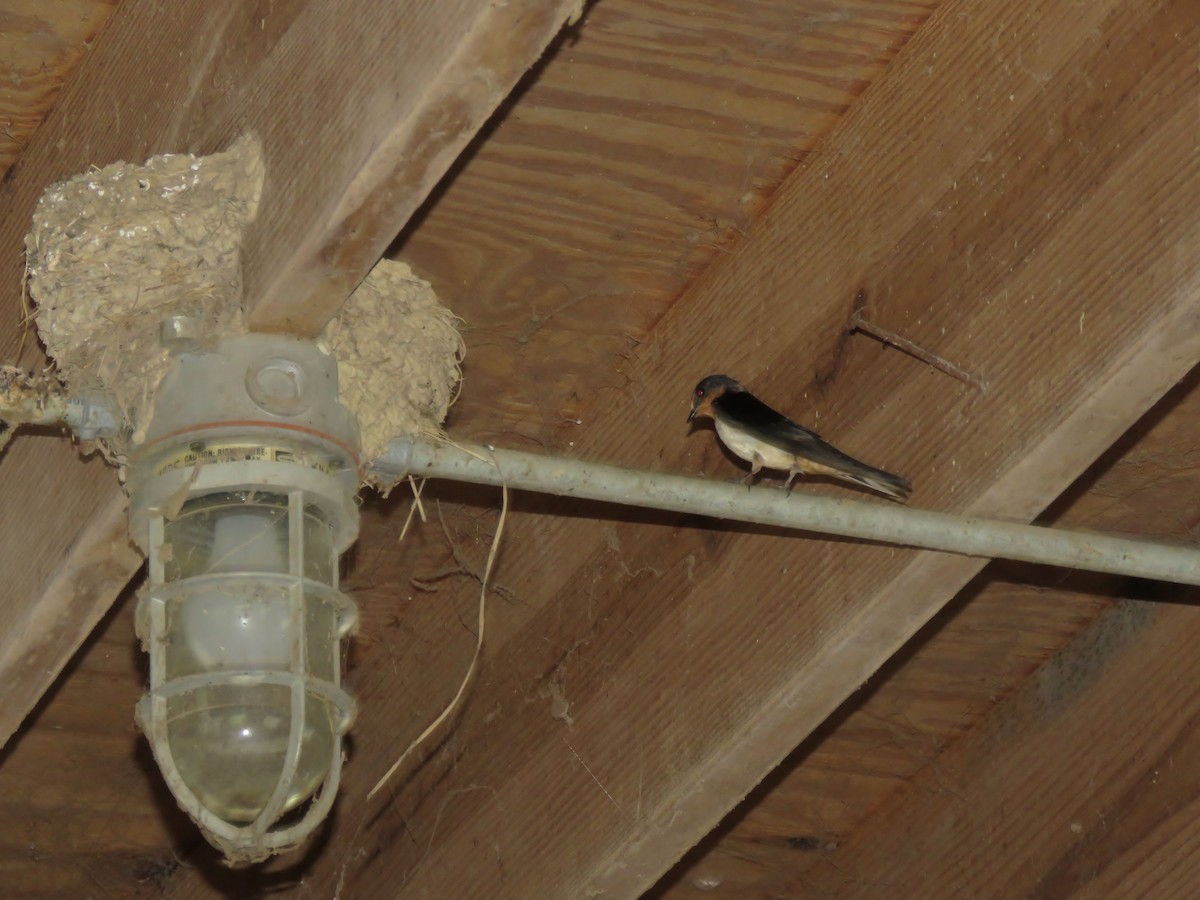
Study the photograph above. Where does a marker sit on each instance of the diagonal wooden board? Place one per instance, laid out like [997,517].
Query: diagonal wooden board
[1020,195]
[1085,775]
[361,107]
[853,792]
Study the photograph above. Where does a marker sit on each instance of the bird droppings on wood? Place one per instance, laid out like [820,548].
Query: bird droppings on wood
[560,707]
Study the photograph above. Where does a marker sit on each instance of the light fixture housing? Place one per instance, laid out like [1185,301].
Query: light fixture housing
[243,498]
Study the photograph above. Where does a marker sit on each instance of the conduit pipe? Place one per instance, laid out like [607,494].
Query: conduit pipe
[872,521]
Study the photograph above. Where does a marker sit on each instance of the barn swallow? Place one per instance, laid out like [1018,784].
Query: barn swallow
[768,439]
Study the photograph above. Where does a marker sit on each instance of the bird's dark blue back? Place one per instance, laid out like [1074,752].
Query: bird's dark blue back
[765,423]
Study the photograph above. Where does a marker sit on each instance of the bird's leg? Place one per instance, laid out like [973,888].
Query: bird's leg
[798,468]
[756,465]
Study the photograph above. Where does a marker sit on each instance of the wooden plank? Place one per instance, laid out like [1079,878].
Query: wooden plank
[37,645]
[382,124]
[340,94]
[802,837]
[644,150]
[1087,779]
[101,826]
[40,45]
[975,191]
[674,174]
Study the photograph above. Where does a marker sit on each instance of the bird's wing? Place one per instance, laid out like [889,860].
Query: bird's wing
[766,424]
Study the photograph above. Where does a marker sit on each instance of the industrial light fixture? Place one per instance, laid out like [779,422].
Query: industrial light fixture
[243,499]
[243,496]
[242,460]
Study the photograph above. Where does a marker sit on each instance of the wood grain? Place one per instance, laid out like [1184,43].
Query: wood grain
[40,45]
[783,72]
[35,647]
[797,834]
[83,815]
[749,656]
[636,593]
[643,151]
[424,78]
[1089,798]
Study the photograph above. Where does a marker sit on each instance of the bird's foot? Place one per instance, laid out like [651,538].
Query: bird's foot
[750,478]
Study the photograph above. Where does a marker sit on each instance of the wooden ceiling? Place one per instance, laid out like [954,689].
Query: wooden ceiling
[681,187]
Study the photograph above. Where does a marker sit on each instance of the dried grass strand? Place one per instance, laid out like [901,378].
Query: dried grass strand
[452,706]
[417,506]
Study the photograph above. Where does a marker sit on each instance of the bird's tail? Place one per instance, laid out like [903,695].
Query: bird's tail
[822,458]
[895,486]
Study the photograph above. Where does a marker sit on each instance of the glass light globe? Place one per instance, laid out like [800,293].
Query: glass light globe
[243,623]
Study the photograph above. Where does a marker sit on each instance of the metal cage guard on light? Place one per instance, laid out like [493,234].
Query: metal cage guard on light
[255,839]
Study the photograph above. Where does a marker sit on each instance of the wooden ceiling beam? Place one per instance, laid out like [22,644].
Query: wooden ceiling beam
[1085,773]
[383,96]
[1087,778]
[360,105]
[1007,198]
[39,48]
[854,794]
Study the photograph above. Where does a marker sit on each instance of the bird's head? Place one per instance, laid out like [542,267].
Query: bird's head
[708,390]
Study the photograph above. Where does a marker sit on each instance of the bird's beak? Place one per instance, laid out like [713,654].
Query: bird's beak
[692,414]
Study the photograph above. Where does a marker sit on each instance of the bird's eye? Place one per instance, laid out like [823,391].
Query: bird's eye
[699,392]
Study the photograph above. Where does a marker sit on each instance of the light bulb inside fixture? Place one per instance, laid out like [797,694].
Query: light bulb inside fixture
[222,534]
